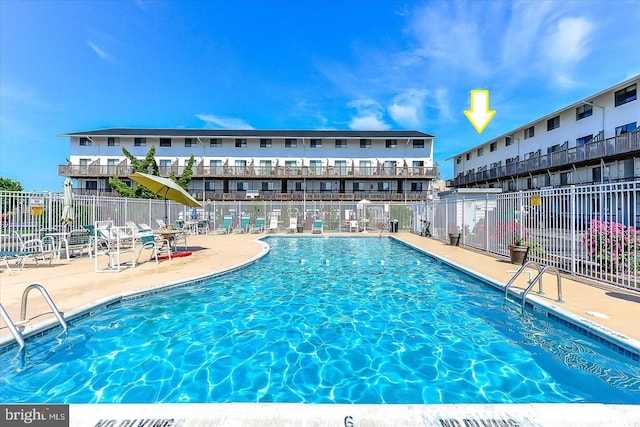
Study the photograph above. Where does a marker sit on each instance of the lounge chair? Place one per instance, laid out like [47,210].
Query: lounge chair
[161,224]
[273,223]
[293,225]
[243,226]
[317,227]
[258,227]
[225,227]
[30,249]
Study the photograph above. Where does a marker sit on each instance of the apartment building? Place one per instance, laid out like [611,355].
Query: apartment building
[263,164]
[593,140]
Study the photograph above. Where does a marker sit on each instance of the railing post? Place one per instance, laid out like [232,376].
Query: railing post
[572,210]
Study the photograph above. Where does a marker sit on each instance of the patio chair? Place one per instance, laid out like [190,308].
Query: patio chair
[225,227]
[293,225]
[243,226]
[317,227]
[161,224]
[29,249]
[273,223]
[258,227]
[203,226]
[79,240]
[158,246]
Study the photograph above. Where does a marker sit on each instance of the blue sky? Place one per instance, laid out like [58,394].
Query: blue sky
[69,66]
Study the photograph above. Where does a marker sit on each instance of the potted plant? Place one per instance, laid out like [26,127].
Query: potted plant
[518,250]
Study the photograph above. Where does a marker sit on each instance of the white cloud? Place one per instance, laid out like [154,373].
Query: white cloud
[406,108]
[213,121]
[370,115]
[100,52]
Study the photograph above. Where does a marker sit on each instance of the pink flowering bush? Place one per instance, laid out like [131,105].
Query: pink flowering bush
[612,245]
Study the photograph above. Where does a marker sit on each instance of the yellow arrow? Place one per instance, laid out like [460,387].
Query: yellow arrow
[479,115]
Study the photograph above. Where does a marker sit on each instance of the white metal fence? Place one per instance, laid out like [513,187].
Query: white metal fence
[27,213]
[589,230]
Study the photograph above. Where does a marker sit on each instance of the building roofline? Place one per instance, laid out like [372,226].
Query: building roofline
[274,133]
[582,101]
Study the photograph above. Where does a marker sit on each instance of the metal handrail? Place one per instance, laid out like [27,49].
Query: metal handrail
[539,277]
[57,313]
[12,327]
[515,276]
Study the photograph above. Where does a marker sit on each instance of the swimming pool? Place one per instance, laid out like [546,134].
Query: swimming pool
[322,320]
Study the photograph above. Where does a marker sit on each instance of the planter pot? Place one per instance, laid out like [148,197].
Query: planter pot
[454,239]
[518,254]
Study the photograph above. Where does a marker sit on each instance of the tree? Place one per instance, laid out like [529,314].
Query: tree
[150,166]
[7,184]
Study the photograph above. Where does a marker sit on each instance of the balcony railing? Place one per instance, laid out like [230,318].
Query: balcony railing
[622,144]
[257,172]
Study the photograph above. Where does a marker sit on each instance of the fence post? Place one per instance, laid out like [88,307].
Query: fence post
[486,222]
[572,210]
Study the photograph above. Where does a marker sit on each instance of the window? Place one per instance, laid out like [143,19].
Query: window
[365,143]
[241,167]
[468,156]
[418,143]
[458,160]
[564,178]
[416,186]
[242,185]
[358,186]
[290,143]
[341,167]
[290,166]
[215,166]
[165,142]
[113,141]
[596,174]
[390,167]
[551,149]
[112,165]
[241,142]
[299,186]
[315,167]
[625,95]
[553,123]
[529,132]
[480,151]
[91,185]
[628,128]
[508,141]
[139,142]
[315,143]
[583,140]
[391,143]
[341,143]
[189,142]
[265,142]
[383,186]
[493,146]
[584,111]
[325,186]
[210,186]
[267,186]
[215,142]
[85,142]
[365,167]
[164,167]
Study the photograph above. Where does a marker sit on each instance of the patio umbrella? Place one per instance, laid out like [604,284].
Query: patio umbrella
[67,204]
[166,188]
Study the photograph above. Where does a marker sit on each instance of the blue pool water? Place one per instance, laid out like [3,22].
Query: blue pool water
[344,320]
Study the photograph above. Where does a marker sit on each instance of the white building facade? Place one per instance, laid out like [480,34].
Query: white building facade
[263,164]
[594,140]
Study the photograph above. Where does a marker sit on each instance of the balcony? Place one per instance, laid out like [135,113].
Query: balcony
[592,151]
[258,172]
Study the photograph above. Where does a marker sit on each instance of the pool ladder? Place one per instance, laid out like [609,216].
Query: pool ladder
[532,282]
[13,327]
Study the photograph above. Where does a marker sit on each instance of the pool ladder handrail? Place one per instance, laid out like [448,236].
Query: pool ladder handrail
[12,327]
[57,313]
[541,270]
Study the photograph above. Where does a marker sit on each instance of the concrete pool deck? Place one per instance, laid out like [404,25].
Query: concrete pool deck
[74,284]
